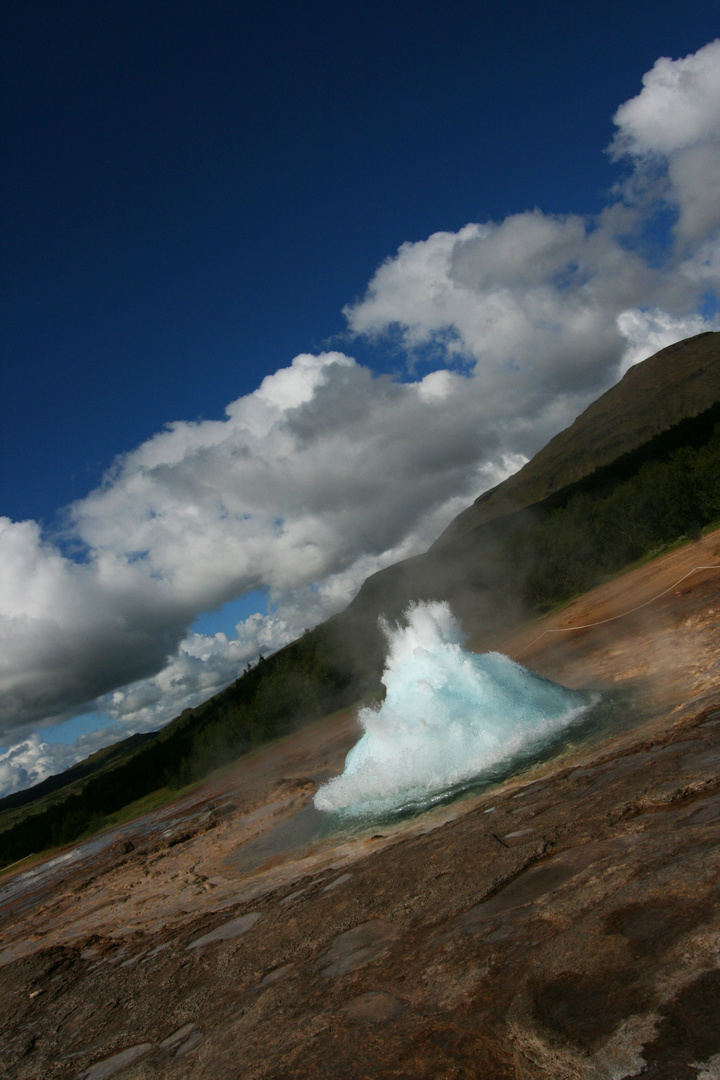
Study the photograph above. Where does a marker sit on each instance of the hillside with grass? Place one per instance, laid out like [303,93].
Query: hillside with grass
[677,383]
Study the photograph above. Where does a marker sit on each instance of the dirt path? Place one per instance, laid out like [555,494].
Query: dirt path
[564,925]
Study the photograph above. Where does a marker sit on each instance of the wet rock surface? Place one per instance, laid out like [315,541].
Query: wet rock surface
[563,925]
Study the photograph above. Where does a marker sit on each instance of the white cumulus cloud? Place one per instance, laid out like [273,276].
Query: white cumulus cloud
[674,124]
[319,477]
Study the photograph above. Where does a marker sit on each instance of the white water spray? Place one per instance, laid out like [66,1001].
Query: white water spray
[448,716]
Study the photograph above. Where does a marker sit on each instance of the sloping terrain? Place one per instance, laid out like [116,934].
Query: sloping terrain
[564,925]
[675,384]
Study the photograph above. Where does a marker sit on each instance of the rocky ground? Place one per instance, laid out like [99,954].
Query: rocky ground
[563,925]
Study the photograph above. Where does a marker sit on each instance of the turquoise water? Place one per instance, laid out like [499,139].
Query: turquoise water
[451,719]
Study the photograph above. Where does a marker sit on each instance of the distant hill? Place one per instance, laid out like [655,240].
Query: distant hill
[638,469]
[680,381]
[108,756]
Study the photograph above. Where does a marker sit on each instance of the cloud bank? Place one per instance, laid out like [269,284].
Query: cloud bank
[327,471]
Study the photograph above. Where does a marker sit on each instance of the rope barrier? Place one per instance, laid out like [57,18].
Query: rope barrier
[614,618]
[17,862]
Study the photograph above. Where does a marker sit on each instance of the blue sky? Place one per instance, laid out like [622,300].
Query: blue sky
[193,195]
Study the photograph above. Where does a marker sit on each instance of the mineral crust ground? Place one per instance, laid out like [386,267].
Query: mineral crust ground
[563,925]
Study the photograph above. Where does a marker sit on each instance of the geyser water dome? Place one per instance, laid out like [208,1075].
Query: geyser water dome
[448,716]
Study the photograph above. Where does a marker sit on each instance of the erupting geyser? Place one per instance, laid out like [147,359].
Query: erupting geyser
[448,716]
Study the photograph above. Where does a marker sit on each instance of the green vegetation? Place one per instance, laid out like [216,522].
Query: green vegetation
[56,788]
[598,532]
[666,489]
[680,383]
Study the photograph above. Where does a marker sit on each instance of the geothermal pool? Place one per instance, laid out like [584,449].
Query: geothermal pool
[450,719]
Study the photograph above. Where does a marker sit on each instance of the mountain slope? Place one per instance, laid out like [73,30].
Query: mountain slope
[680,381]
